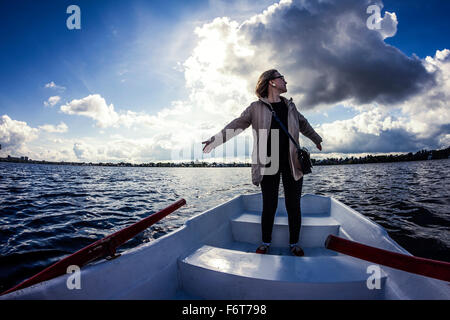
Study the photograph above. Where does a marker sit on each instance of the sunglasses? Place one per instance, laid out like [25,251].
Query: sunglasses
[277,77]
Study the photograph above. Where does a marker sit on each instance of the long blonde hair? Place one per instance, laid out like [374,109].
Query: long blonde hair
[262,87]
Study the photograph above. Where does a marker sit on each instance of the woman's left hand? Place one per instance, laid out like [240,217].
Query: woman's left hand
[319,146]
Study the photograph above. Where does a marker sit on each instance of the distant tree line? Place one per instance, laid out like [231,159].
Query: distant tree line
[420,155]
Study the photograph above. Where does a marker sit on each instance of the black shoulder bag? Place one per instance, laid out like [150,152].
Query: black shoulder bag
[302,153]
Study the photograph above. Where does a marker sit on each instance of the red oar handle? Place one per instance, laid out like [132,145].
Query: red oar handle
[426,267]
[99,249]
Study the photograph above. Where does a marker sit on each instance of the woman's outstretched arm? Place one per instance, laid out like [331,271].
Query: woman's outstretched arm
[232,129]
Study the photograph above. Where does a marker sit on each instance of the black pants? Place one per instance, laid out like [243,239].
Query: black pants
[292,192]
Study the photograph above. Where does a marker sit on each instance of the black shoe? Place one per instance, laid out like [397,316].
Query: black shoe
[263,249]
[296,250]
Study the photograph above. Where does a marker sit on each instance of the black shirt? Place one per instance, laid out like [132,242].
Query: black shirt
[281,110]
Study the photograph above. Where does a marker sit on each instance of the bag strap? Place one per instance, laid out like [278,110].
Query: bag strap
[282,126]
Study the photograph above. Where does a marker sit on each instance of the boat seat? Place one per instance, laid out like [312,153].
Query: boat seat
[218,273]
[314,230]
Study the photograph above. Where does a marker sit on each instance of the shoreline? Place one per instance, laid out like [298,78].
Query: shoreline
[194,165]
[409,157]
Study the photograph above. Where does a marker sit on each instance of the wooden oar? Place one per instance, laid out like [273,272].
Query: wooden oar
[105,247]
[422,266]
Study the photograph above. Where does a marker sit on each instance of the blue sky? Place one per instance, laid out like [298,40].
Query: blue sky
[420,19]
[138,71]
[40,49]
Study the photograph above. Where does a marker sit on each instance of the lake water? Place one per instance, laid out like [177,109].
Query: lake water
[49,211]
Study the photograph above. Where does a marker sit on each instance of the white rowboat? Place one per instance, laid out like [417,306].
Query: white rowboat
[213,257]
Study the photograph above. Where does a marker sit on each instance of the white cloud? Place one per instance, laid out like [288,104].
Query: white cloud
[15,134]
[95,107]
[84,151]
[52,151]
[118,148]
[52,101]
[61,128]
[388,25]
[53,85]
[375,130]
[214,89]
[18,138]
[422,121]
[429,112]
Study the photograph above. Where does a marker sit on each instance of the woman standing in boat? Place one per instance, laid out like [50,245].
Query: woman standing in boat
[274,155]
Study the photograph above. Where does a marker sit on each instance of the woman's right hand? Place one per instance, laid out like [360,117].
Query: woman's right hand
[208,147]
